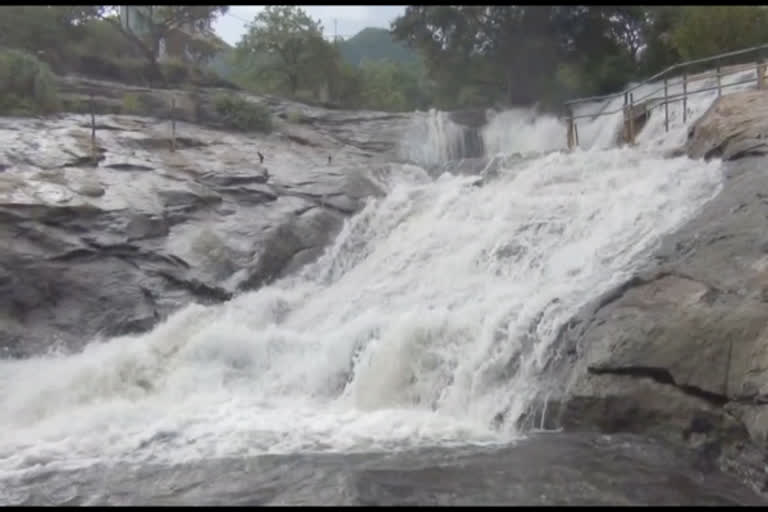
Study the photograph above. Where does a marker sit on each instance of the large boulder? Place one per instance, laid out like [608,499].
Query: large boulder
[681,350]
[736,125]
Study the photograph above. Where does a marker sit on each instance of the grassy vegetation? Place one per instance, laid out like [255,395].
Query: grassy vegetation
[242,115]
[132,104]
[94,48]
[27,85]
[294,116]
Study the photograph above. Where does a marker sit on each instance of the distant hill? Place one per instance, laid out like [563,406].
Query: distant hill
[375,44]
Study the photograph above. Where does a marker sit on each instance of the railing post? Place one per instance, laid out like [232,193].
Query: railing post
[570,134]
[631,118]
[173,123]
[576,133]
[719,87]
[625,115]
[92,108]
[760,70]
[666,105]
[685,96]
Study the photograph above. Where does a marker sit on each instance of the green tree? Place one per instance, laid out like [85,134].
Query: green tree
[659,52]
[380,88]
[626,26]
[519,54]
[161,20]
[285,40]
[26,85]
[703,31]
[507,51]
[346,86]
[40,29]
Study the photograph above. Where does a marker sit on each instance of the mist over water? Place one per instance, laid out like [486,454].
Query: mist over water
[426,320]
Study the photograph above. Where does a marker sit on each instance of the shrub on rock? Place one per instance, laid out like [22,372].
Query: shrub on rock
[27,85]
[243,115]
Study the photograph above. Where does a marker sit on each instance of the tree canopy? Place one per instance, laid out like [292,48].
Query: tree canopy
[439,56]
[521,54]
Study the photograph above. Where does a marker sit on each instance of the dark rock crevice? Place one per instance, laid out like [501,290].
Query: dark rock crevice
[662,376]
[681,349]
[638,281]
[198,289]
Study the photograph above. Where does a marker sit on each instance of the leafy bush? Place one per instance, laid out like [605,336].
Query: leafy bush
[175,71]
[241,114]
[27,85]
[132,104]
[471,96]
[127,69]
[295,116]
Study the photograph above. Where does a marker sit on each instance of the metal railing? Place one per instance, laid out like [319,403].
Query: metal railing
[677,74]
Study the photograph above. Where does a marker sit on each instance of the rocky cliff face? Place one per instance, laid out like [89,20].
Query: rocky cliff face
[105,243]
[364,133]
[99,247]
[681,350]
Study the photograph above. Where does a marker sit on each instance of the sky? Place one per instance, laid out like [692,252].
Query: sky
[350,19]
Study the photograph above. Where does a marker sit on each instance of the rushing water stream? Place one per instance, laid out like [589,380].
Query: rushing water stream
[378,374]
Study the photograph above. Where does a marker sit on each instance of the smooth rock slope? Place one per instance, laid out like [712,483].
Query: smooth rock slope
[109,247]
[681,350]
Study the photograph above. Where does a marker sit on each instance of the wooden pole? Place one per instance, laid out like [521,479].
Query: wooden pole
[760,74]
[173,124]
[92,108]
[685,96]
[570,134]
[666,105]
[719,87]
[626,117]
[576,133]
[631,118]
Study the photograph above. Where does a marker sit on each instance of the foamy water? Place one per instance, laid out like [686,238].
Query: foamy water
[428,318]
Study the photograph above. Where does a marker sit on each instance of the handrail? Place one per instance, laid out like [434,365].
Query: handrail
[659,75]
[661,96]
[670,99]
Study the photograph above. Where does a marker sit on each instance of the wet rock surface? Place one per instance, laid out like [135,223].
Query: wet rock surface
[735,126]
[549,469]
[109,240]
[364,134]
[681,350]
[95,247]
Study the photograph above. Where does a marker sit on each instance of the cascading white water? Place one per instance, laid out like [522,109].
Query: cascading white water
[600,132]
[523,131]
[432,139]
[428,317]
